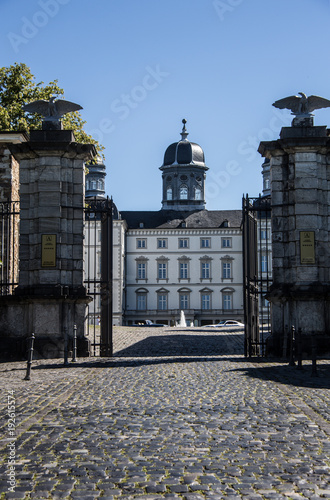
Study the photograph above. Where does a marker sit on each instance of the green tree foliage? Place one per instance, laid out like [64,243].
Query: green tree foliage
[18,87]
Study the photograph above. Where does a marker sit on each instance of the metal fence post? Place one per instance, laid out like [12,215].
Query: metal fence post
[30,356]
[66,362]
[74,352]
[285,341]
[314,356]
[299,349]
[292,362]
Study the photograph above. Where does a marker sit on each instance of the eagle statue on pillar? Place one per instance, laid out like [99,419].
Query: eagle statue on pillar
[51,110]
[301,105]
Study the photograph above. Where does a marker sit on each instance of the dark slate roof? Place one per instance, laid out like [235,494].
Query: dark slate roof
[171,219]
[183,153]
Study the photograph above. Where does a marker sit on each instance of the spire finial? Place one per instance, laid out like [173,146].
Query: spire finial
[184,132]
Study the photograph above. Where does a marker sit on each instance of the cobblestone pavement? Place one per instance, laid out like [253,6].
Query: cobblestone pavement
[176,413]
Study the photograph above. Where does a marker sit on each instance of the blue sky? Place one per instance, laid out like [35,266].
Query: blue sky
[139,66]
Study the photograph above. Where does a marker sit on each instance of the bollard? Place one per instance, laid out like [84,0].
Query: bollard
[314,356]
[30,356]
[74,352]
[291,362]
[299,349]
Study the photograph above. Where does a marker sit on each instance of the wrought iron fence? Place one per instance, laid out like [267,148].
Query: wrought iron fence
[9,246]
[98,274]
[257,272]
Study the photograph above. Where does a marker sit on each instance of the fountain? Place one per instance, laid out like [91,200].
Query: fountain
[182,322]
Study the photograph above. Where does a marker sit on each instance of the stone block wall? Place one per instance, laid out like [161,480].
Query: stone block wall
[49,299]
[300,186]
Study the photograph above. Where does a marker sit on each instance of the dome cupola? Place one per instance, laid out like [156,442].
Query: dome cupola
[184,152]
[95,179]
[183,175]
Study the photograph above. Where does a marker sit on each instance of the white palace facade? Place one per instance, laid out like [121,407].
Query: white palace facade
[182,257]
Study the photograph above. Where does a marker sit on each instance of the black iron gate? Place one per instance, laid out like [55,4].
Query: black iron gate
[98,274]
[9,245]
[257,274]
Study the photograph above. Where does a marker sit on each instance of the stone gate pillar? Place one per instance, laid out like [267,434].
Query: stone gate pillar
[50,297]
[300,197]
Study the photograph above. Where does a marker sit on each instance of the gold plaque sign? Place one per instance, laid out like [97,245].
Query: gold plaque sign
[48,250]
[307,247]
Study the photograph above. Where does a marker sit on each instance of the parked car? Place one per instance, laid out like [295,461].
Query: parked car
[229,322]
[150,323]
[147,322]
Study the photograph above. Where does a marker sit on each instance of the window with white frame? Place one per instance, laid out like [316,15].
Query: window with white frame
[141,270]
[162,270]
[141,300]
[183,270]
[264,263]
[264,234]
[169,193]
[205,242]
[141,243]
[184,300]
[205,268]
[162,243]
[162,301]
[227,299]
[226,270]
[226,242]
[183,242]
[206,301]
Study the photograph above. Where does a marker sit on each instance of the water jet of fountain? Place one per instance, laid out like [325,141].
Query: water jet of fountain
[182,321]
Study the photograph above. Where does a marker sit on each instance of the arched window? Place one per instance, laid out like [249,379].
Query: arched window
[198,193]
[183,192]
[169,193]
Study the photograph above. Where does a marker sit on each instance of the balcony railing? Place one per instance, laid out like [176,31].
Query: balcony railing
[188,312]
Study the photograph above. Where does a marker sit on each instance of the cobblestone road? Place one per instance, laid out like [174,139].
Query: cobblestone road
[176,413]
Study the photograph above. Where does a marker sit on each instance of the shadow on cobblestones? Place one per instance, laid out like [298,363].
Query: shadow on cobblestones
[185,345]
[290,375]
[127,362]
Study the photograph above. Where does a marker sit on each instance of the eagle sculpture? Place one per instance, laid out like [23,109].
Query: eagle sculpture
[51,110]
[301,105]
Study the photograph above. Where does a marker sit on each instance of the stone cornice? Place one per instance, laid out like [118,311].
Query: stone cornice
[9,137]
[72,150]
[292,144]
